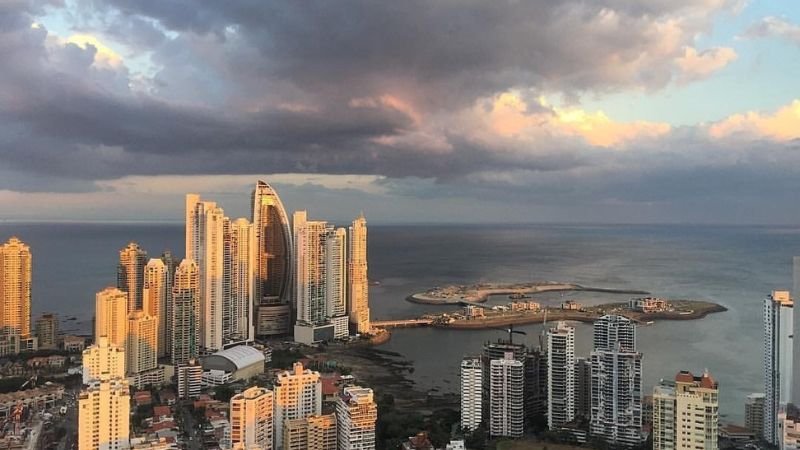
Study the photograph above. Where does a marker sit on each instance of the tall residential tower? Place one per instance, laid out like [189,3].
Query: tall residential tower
[357,282]
[15,289]
[130,274]
[778,330]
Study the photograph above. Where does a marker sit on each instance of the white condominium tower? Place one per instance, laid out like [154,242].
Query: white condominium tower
[560,375]
[111,316]
[686,413]
[471,393]
[319,274]
[186,313]
[142,343]
[251,418]
[335,283]
[796,332]
[237,316]
[298,394]
[778,329]
[357,282]
[104,403]
[616,382]
[155,299]
[506,397]
[15,289]
[104,415]
[205,245]
[356,415]
[130,274]
[272,289]
[103,361]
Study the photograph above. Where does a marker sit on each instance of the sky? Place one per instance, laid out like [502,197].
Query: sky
[453,111]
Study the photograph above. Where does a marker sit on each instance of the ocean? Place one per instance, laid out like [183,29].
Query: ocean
[734,266]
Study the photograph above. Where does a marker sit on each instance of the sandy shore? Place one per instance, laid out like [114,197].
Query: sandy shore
[479,293]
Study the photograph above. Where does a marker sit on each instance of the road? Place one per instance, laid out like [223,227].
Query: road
[194,436]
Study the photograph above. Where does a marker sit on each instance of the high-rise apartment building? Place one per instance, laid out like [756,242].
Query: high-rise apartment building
[616,377]
[141,345]
[536,383]
[130,274]
[492,351]
[754,414]
[310,433]
[314,322]
[298,394]
[190,378]
[155,298]
[778,354]
[185,313]
[471,393]
[506,397]
[111,316]
[335,281]
[46,329]
[251,418]
[356,415]
[171,265]
[103,361]
[686,413]
[789,418]
[357,282]
[796,324]
[560,375]
[272,289]
[104,415]
[237,316]
[205,246]
[15,289]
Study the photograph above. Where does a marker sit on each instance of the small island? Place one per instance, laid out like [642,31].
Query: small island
[523,310]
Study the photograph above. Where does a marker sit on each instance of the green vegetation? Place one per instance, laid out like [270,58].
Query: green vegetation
[283,359]
[395,427]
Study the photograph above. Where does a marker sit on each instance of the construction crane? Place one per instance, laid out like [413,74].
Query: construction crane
[511,332]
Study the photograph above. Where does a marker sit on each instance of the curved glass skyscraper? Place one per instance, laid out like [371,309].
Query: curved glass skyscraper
[273,238]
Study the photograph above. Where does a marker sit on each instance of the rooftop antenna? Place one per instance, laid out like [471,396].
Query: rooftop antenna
[511,332]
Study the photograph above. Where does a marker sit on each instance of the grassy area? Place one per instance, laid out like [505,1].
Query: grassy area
[527,444]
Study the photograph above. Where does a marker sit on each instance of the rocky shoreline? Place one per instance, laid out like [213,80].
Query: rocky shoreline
[458,295]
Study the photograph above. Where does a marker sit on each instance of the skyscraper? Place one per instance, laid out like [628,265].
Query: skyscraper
[103,361]
[130,274]
[560,375]
[252,418]
[104,403]
[186,313]
[796,332]
[357,282]
[356,415]
[616,374]
[171,265]
[272,288]
[778,329]
[583,388]
[141,346]
[156,297]
[313,320]
[298,394]
[335,281]
[15,289]
[237,315]
[506,397]
[104,415]
[310,433]
[205,245]
[686,413]
[471,393]
[111,316]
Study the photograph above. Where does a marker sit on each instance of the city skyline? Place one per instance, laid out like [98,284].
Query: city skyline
[485,107]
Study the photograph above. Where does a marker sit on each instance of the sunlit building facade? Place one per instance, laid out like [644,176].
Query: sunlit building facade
[356,416]
[335,281]
[103,361]
[15,289]
[237,313]
[46,330]
[186,313]
[111,316]
[141,346]
[130,274]
[686,413]
[310,433]
[298,394]
[104,415]
[272,289]
[156,296]
[357,281]
[313,322]
[251,417]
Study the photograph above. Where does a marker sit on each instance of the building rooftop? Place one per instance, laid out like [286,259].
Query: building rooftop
[241,356]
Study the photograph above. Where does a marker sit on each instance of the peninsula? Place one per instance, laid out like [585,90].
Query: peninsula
[479,293]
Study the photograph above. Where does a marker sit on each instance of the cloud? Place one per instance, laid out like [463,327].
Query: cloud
[774,27]
[696,65]
[781,125]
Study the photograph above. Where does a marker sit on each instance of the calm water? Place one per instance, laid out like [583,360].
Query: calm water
[734,266]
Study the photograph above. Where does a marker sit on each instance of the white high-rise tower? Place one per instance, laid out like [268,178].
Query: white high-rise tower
[357,282]
[560,375]
[616,386]
[778,329]
[205,245]
[471,393]
[506,397]
[237,316]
